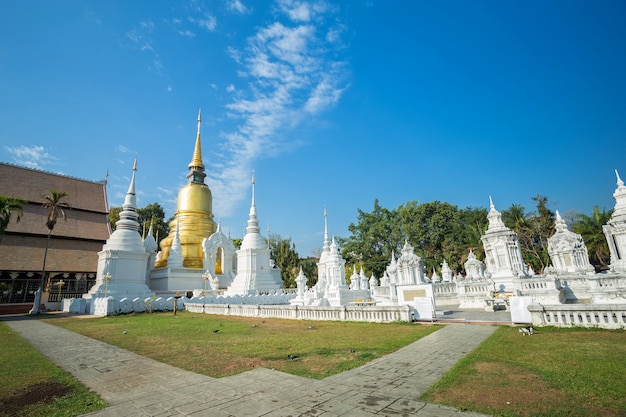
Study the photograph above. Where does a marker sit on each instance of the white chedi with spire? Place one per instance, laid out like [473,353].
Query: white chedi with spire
[123,260]
[615,229]
[567,250]
[503,254]
[256,271]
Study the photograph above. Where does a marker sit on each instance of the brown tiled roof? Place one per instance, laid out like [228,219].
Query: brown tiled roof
[32,185]
[75,243]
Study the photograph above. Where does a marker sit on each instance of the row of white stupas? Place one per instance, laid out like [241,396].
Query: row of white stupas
[126,260]
[126,265]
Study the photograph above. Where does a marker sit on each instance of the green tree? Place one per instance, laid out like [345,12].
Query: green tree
[114,216]
[286,258]
[436,231]
[374,237]
[8,207]
[533,231]
[55,204]
[153,214]
[309,268]
[472,226]
[432,228]
[590,228]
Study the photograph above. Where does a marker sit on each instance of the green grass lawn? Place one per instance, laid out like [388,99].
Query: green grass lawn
[556,372]
[30,385]
[224,345]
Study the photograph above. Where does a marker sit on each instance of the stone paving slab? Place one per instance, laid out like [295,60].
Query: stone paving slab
[139,386]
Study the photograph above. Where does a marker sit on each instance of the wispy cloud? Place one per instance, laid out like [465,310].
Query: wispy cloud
[33,157]
[141,36]
[124,149]
[237,6]
[292,73]
[206,21]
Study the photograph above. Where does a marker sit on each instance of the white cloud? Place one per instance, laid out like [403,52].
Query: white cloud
[292,73]
[124,149]
[207,22]
[186,33]
[32,157]
[230,88]
[141,36]
[237,6]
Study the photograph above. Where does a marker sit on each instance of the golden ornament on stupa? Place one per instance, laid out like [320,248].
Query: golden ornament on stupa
[193,214]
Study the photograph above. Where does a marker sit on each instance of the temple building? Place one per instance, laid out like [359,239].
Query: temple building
[73,246]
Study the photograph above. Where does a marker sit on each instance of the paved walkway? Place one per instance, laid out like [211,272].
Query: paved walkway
[138,386]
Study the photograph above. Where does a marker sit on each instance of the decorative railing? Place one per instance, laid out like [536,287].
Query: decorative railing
[444,288]
[378,314]
[582,315]
[54,297]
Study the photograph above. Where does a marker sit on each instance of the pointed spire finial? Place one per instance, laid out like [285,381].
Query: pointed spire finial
[491,206]
[135,165]
[253,182]
[619,180]
[196,160]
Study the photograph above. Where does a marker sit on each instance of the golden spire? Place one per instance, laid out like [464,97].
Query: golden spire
[196,160]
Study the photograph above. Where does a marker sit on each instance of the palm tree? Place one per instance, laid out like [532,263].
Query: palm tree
[8,206]
[590,228]
[54,203]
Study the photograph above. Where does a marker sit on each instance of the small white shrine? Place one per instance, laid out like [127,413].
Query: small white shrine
[408,269]
[123,260]
[220,260]
[567,251]
[503,254]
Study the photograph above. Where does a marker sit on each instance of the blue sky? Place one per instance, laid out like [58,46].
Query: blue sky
[331,104]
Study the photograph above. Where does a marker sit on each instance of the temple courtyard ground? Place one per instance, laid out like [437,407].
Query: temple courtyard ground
[139,386]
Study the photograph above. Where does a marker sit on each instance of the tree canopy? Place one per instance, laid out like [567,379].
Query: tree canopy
[533,230]
[590,228]
[284,254]
[437,230]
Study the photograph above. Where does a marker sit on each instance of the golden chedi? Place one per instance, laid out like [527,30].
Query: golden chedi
[194,216]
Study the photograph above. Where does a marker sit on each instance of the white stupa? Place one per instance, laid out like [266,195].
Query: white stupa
[256,272]
[615,229]
[123,260]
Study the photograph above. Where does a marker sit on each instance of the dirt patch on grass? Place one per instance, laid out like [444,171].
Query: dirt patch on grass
[500,388]
[38,393]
